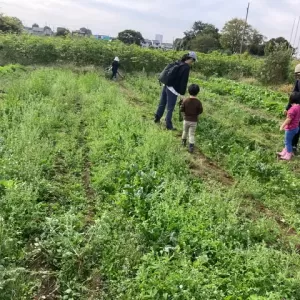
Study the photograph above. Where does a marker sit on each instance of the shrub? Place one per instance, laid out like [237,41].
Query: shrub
[276,67]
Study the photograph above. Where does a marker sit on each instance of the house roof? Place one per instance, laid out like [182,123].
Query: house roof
[78,31]
[37,29]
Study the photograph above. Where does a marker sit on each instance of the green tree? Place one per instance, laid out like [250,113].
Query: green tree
[210,35]
[256,43]
[232,34]
[10,24]
[205,43]
[273,44]
[131,37]
[62,31]
[177,44]
[276,66]
[200,28]
[35,25]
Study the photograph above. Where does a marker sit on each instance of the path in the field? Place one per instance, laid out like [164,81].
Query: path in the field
[199,164]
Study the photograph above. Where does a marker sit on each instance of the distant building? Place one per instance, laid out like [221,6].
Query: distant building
[79,33]
[156,44]
[102,37]
[159,37]
[167,46]
[46,31]
[146,43]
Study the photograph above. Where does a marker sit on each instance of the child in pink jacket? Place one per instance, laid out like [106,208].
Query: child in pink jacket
[291,126]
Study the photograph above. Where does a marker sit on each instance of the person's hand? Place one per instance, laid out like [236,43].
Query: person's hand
[281,128]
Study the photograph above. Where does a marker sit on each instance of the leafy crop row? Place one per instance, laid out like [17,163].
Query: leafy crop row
[250,95]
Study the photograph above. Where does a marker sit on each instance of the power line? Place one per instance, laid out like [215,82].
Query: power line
[292,31]
[296,31]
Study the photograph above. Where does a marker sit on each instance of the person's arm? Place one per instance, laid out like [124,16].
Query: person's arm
[200,108]
[182,107]
[184,80]
[286,122]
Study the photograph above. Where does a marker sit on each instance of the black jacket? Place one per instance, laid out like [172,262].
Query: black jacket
[182,78]
[297,90]
[115,66]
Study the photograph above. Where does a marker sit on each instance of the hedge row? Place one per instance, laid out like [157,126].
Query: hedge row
[26,50]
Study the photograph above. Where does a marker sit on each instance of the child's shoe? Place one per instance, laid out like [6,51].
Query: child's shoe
[287,156]
[282,153]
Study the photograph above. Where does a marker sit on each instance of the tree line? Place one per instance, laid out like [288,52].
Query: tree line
[235,36]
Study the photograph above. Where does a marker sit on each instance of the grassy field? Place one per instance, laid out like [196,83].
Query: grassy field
[97,202]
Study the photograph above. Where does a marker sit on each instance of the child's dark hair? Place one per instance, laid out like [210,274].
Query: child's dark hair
[295,98]
[194,89]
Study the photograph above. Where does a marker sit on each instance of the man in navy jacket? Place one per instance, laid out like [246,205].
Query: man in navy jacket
[170,93]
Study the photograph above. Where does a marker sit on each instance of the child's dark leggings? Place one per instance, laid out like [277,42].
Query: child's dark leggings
[296,140]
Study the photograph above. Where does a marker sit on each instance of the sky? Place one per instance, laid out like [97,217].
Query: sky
[170,18]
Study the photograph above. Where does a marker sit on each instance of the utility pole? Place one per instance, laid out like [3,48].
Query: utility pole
[242,43]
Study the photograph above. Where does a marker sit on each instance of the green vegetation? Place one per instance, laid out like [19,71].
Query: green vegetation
[96,202]
[32,50]
[10,24]
[250,95]
[29,50]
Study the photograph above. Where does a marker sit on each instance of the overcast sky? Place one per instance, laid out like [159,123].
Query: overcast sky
[171,18]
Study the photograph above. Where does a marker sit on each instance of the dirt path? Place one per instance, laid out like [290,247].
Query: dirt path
[86,165]
[199,164]
[287,233]
[205,168]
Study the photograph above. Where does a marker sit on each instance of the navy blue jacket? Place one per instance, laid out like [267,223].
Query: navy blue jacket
[182,78]
[115,66]
[296,89]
